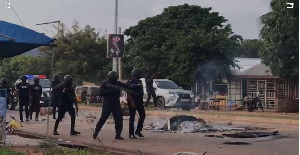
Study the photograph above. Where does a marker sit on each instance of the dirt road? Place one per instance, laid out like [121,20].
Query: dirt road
[169,143]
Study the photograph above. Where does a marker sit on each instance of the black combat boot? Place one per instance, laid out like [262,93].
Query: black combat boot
[119,137]
[55,133]
[139,134]
[131,136]
[72,133]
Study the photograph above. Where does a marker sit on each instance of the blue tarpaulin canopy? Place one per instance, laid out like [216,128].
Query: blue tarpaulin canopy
[15,39]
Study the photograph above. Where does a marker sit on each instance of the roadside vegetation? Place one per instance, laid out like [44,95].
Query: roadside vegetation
[48,148]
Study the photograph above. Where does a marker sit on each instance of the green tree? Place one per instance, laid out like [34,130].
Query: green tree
[184,43]
[80,53]
[280,35]
[13,68]
[249,48]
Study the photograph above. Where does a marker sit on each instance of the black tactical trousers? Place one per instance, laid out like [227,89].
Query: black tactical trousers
[22,103]
[61,113]
[141,110]
[151,93]
[55,100]
[115,109]
[35,107]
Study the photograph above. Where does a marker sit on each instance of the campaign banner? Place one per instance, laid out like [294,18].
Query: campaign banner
[115,45]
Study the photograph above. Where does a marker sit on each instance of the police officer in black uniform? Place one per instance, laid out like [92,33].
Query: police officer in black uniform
[35,95]
[56,93]
[111,104]
[5,86]
[138,102]
[68,98]
[150,90]
[23,91]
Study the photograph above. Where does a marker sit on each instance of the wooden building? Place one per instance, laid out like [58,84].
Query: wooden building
[254,78]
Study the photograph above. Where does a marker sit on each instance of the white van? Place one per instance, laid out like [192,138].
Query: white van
[170,95]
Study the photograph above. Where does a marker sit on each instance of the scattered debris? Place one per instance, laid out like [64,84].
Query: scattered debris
[236,143]
[240,108]
[253,128]
[90,116]
[190,124]
[177,120]
[185,153]
[210,135]
[251,134]
[193,127]
[220,146]
[220,136]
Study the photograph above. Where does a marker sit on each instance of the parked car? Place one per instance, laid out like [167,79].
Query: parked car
[170,95]
[93,92]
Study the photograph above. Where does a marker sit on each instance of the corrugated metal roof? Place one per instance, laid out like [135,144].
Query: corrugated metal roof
[259,70]
[246,63]
[251,66]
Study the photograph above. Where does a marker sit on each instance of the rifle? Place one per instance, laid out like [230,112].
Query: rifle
[125,89]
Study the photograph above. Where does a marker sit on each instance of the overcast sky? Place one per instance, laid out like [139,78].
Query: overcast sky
[242,14]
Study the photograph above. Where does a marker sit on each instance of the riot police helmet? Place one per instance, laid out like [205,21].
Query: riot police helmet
[136,72]
[23,77]
[112,75]
[68,78]
[55,77]
[36,80]
[4,81]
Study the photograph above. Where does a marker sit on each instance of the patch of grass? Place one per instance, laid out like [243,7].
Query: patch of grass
[66,151]
[9,151]
[45,144]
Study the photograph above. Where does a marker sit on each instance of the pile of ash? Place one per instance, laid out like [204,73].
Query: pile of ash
[182,123]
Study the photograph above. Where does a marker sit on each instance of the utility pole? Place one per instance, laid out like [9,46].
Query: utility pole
[120,61]
[115,59]
[51,76]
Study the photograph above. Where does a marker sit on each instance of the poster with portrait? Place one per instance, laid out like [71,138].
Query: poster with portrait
[115,45]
